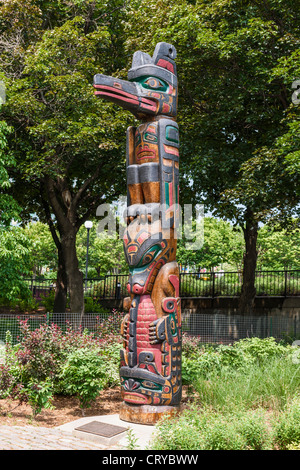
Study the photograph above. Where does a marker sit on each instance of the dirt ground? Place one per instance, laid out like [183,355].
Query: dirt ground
[66,409]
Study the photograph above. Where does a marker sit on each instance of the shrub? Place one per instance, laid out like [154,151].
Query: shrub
[287,427]
[28,304]
[252,425]
[39,352]
[83,375]
[190,345]
[260,349]
[111,357]
[6,381]
[92,306]
[49,360]
[109,328]
[48,300]
[202,429]
[39,395]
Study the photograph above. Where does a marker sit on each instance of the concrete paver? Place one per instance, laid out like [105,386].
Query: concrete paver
[65,438]
[40,438]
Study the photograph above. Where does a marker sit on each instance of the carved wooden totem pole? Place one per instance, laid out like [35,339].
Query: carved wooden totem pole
[150,368]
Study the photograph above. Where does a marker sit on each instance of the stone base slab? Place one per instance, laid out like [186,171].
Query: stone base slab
[146,414]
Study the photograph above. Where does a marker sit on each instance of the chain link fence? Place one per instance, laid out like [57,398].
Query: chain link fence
[90,322]
[209,328]
[220,328]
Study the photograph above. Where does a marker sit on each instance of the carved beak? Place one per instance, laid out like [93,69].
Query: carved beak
[124,93]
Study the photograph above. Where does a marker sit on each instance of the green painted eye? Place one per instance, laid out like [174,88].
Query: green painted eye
[151,385]
[149,256]
[150,137]
[153,83]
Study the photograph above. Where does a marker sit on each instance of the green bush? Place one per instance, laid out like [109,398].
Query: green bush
[84,375]
[50,360]
[39,395]
[92,306]
[201,429]
[202,361]
[250,373]
[48,301]
[260,349]
[287,426]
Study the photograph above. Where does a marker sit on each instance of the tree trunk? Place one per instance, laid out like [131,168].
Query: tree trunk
[74,275]
[61,289]
[246,301]
[70,277]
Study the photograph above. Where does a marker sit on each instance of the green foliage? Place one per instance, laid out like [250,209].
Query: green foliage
[39,395]
[43,252]
[111,357]
[27,305]
[52,360]
[14,262]
[231,119]
[106,254]
[278,249]
[261,350]
[287,429]
[8,207]
[200,429]
[92,306]
[237,386]
[48,301]
[222,243]
[84,375]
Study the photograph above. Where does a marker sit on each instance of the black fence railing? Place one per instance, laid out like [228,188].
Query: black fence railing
[285,283]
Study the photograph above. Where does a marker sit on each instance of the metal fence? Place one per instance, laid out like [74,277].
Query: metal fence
[229,284]
[111,286]
[285,283]
[92,323]
[225,329]
[209,328]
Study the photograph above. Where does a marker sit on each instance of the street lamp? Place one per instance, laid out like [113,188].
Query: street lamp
[88,225]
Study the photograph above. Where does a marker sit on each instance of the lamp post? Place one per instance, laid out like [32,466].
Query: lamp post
[88,225]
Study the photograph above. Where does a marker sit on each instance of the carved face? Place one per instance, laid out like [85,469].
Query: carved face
[161,92]
[151,88]
[146,143]
[146,251]
[146,390]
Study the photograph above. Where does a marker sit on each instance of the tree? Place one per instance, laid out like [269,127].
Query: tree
[235,65]
[14,262]
[278,248]
[66,142]
[106,254]
[222,244]
[9,209]
[43,251]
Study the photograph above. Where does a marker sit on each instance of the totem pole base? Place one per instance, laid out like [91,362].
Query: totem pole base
[145,414]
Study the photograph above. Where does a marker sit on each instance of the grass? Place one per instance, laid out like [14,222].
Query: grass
[269,385]
[246,397]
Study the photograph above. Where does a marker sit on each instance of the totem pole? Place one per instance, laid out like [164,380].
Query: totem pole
[150,369]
